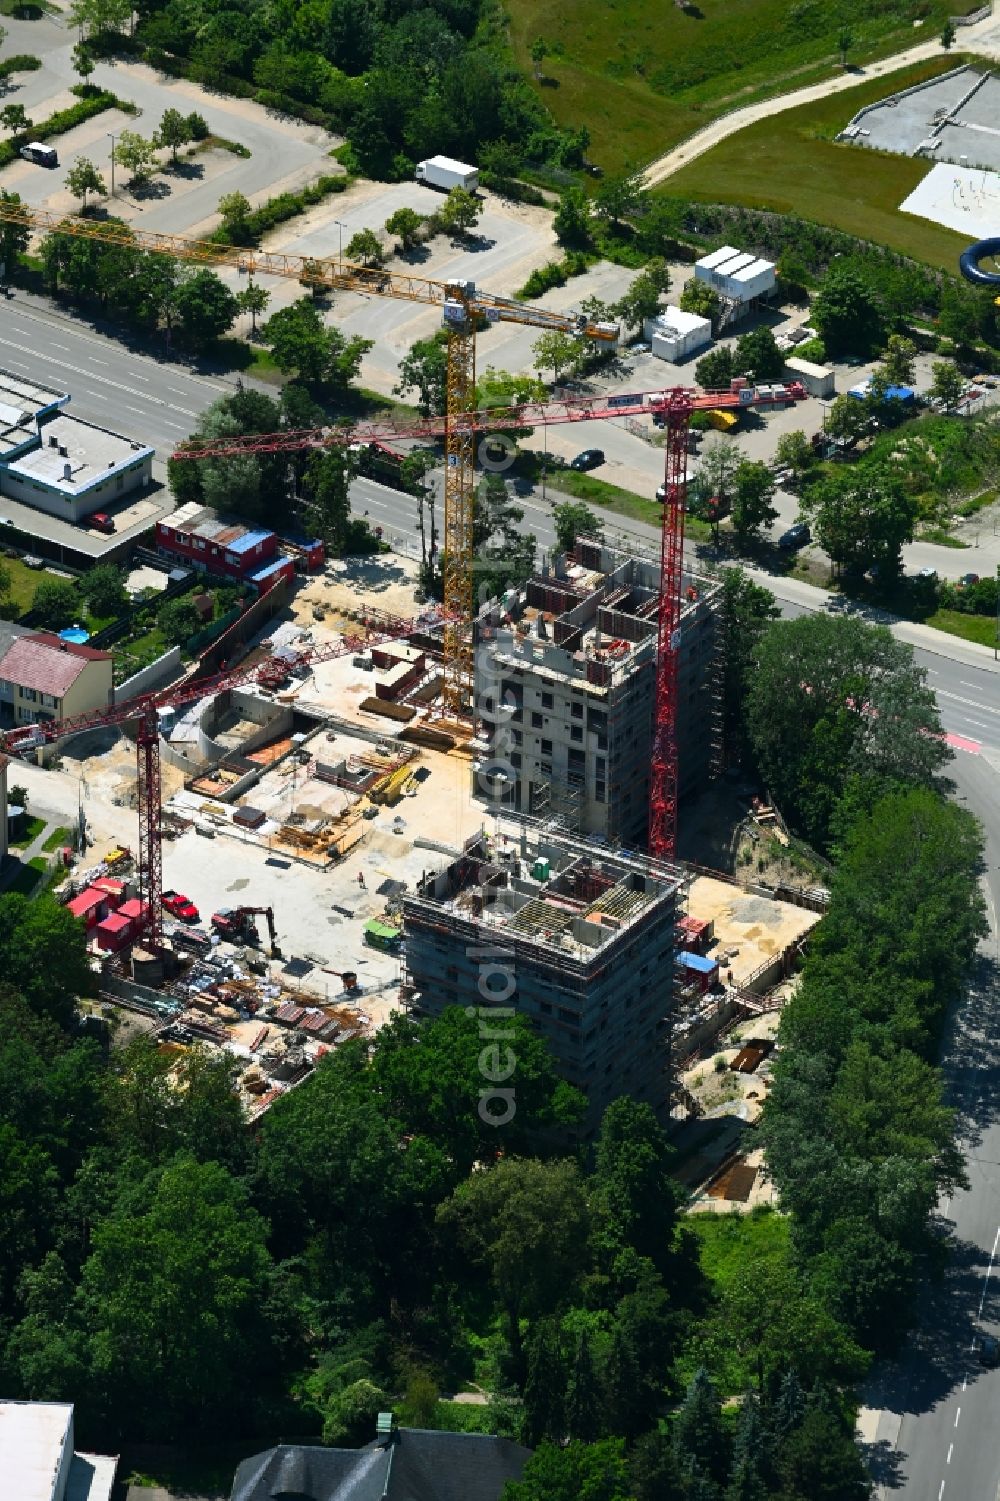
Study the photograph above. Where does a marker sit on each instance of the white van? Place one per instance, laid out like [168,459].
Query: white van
[45,156]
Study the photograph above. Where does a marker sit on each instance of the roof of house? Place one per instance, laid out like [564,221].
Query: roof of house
[46,663]
[415,1465]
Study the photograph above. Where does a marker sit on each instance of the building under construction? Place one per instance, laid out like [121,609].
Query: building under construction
[580,940]
[565,692]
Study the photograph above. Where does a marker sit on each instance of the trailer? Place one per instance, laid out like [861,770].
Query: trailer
[445,173]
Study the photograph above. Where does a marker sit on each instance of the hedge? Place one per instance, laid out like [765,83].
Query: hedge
[65,119]
[22,62]
[276,210]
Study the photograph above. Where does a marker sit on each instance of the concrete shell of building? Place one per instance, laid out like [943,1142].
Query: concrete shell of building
[565,689]
[578,938]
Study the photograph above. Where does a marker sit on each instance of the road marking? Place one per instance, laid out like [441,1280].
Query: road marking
[136,376]
[139,410]
[963,743]
[957,1416]
[63,347]
[972,703]
[941,1491]
[951,1450]
[95,361]
[986,1279]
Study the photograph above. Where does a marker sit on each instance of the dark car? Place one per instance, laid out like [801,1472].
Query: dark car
[988,1350]
[591,458]
[796,536]
[968,580]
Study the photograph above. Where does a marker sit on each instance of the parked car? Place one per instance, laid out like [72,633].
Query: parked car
[968,580]
[927,573]
[179,905]
[988,1350]
[31,561]
[796,536]
[591,458]
[101,520]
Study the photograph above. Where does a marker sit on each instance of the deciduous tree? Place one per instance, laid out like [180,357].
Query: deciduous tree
[365,248]
[847,313]
[572,519]
[753,491]
[555,351]
[174,131]
[83,178]
[136,154]
[424,370]
[406,225]
[947,384]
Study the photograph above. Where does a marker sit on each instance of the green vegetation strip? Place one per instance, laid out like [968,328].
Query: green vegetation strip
[26,881]
[793,165]
[56,840]
[981,628]
[64,119]
[29,832]
[22,62]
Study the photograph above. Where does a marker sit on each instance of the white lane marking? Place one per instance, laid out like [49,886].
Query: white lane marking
[101,379]
[136,376]
[63,347]
[941,1491]
[104,343]
[951,1450]
[95,361]
[175,425]
[139,410]
[973,703]
[986,1279]
[957,1416]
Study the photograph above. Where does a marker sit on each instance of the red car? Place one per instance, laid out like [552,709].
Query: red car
[101,520]
[180,906]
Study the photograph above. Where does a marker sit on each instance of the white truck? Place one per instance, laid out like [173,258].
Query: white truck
[442,172]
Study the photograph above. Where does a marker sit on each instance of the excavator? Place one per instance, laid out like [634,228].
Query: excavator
[237,925]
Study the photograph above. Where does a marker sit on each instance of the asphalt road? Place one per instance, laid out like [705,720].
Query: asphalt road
[157,401]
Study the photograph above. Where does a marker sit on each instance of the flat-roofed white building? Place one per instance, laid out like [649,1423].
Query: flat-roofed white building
[674,334]
[74,468]
[23,405]
[736,274]
[37,1457]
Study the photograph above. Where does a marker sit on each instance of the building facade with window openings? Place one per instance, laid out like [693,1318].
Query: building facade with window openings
[577,938]
[43,678]
[71,468]
[566,682]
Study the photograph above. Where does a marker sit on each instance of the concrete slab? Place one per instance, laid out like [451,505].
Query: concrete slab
[959,198]
[750,929]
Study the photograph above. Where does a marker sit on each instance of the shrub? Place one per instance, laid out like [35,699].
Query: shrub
[21,62]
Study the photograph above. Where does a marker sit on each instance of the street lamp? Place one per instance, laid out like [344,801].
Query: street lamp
[112,140]
[340,248]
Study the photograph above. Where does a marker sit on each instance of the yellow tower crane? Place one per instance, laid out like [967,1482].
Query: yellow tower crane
[462,306]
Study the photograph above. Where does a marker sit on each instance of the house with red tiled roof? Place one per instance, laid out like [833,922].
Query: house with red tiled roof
[43,677]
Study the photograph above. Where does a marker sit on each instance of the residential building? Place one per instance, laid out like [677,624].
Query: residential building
[24,405]
[403,1464]
[73,468]
[38,1461]
[565,690]
[230,548]
[43,678]
[576,937]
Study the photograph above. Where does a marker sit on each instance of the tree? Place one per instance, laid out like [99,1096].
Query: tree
[847,313]
[555,351]
[525,1222]
[94,17]
[460,213]
[720,460]
[574,519]
[545,1387]
[748,1478]
[847,420]
[745,612]
[700,1441]
[633,1193]
[820,1462]
[178,620]
[328,487]
[204,306]
[14,119]
[698,297]
[171,1298]
[365,248]
[504,555]
[14,233]
[56,603]
[425,370]
[174,131]
[406,225]
[795,453]
[104,590]
[653,1469]
[578,1472]
[753,491]
[947,384]
[83,62]
[757,355]
[539,52]
[620,194]
[83,178]
[829,699]
[583,1394]
[642,300]
[572,223]
[253,299]
[845,41]
[43,950]
[948,34]
[898,363]
[319,356]
[863,517]
[136,154]
[715,370]
[235,213]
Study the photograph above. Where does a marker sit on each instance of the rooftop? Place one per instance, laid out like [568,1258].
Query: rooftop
[75,455]
[46,663]
[202,521]
[37,1459]
[22,402]
[542,889]
[674,320]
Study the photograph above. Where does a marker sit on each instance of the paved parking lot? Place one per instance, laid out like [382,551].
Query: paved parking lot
[285,153]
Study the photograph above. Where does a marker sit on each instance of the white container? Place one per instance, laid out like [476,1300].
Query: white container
[445,173]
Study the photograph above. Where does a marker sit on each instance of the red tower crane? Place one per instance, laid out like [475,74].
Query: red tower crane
[671,408]
[143,710]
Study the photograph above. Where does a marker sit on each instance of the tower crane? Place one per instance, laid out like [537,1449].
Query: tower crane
[462,306]
[672,408]
[143,711]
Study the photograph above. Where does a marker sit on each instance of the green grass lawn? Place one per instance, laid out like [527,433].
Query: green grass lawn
[643,77]
[30,830]
[793,165]
[27,878]
[727,1241]
[23,583]
[56,840]
[981,628]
